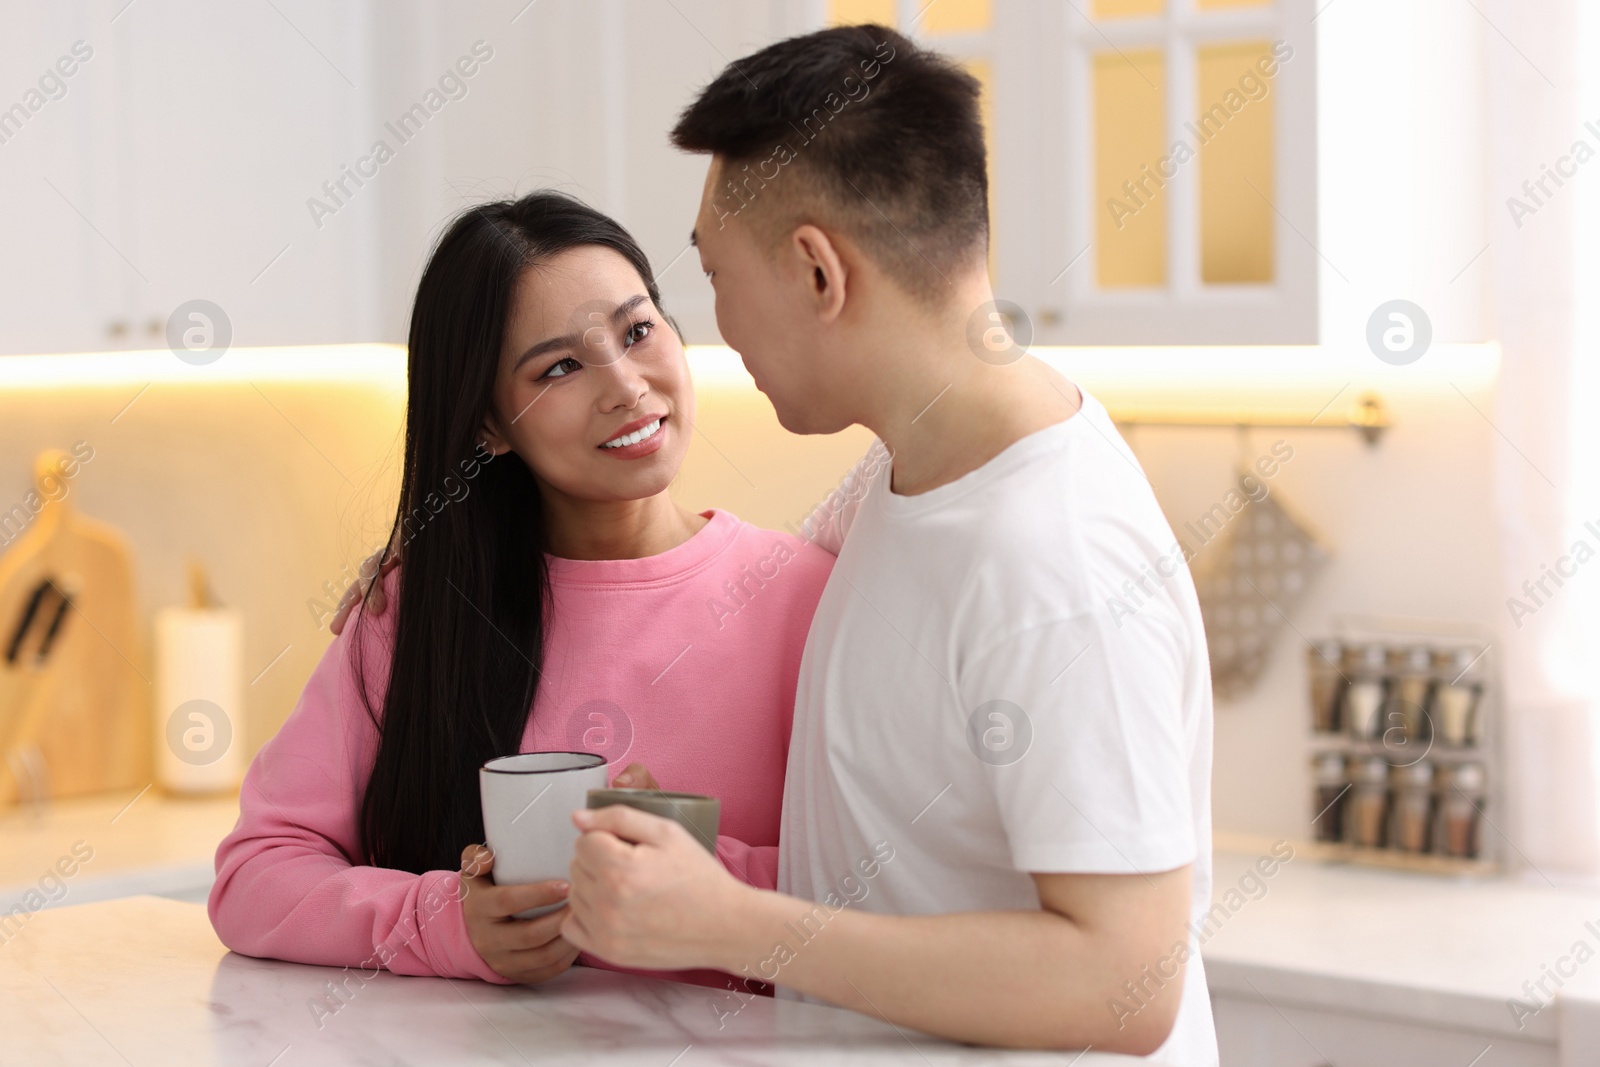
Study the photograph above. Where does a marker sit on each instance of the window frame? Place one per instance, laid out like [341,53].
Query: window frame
[1185,310]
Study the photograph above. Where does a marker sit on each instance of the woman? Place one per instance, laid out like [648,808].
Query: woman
[552,596]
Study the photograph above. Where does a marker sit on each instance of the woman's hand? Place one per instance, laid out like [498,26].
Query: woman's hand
[524,950]
[635,776]
[380,563]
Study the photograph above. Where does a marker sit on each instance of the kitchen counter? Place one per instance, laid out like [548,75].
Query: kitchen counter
[1332,963]
[1319,963]
[146,981]
[136,842]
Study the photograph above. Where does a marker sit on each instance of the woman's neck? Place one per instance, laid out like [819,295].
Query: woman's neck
[616,529]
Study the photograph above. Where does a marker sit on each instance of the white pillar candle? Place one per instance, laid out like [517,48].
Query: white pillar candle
[199,707]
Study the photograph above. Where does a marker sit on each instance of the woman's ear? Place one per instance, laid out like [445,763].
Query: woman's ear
[824,268]
[490,438]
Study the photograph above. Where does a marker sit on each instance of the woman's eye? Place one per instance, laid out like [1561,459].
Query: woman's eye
[637,332]
[560,368]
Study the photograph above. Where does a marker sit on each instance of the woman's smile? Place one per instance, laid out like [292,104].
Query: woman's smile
[638,438]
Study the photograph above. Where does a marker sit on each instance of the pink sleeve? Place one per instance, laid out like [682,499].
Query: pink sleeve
[287,884]
[755,865]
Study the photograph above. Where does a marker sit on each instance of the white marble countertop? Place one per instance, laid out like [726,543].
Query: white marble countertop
[1439,951]
[145,981]
[137,841]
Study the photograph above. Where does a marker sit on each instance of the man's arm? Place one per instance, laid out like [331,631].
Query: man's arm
[1052,978]
[1075,973]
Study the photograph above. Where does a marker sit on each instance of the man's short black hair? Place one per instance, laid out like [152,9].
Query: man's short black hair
[884,140]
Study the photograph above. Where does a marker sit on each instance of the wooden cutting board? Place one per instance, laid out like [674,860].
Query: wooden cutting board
[87,707]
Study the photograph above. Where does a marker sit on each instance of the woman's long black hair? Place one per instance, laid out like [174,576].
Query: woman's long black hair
[474,589]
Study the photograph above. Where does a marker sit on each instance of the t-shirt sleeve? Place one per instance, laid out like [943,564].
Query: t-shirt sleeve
[1078,722]
[829,521]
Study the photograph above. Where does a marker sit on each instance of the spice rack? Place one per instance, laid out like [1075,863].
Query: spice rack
[1402,747]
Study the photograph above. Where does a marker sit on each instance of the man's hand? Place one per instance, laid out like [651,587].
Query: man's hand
[645,893]
[381,563]
[524,950]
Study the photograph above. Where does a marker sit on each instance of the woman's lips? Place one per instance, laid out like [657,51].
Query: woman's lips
[637,424]
[642,447]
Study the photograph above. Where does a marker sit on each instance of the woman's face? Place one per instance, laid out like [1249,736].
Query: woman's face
[593,390]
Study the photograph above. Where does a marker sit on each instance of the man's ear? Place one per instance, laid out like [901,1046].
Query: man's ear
[824,268]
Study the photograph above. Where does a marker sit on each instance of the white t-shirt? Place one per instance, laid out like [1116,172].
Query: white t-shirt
[1005,674]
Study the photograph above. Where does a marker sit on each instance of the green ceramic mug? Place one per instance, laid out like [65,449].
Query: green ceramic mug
[700,815]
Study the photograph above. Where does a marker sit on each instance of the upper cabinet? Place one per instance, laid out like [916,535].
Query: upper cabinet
[62,278]
[173,165]
[292,162]
[1152,162]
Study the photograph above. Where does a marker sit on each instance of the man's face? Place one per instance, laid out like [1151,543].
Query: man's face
[764,309]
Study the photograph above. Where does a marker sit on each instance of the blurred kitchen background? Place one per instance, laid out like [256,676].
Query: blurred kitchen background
[1346,246]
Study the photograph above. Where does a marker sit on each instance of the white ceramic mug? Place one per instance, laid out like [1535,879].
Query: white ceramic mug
[528,801]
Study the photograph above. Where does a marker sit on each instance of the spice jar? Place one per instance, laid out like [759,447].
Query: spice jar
[1412,672]
[1333,787]
[1461,797]
[1458,692]
[1327,685]
[1367,802]
[1412,811]
[1363,699]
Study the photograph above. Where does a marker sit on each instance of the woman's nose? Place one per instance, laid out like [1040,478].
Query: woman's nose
[623,384]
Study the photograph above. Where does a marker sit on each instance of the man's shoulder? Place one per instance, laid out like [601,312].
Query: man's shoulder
[1077,481]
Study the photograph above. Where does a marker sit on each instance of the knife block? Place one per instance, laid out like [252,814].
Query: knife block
[85,708]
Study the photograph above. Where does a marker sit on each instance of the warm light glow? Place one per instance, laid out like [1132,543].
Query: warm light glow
[1265,380]
[377,363]
[1237,172]
[957,16]
[718,367]
[1130,138]
[1193,381]
[1200,379]
[854,12]
[1118,9]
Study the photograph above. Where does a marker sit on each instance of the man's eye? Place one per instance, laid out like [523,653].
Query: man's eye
[560,368]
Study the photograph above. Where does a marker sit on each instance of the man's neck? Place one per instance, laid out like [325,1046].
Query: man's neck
[950,412]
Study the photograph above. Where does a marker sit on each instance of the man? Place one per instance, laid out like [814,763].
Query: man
[997,820]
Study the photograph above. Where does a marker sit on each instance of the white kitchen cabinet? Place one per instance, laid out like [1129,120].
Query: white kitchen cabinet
[236,114]
[60,277]
[184,160]
[174,166]
[1254,1033]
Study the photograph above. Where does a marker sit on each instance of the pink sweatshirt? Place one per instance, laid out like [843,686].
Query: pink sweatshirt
[685,661]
